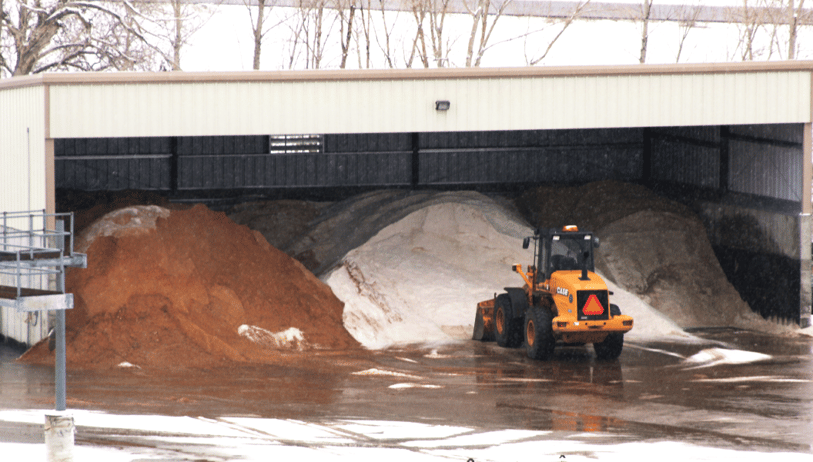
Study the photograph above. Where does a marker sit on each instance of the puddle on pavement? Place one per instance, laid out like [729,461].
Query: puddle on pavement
[650,392]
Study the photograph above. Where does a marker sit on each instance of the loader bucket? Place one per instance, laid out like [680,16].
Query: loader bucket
[484,322]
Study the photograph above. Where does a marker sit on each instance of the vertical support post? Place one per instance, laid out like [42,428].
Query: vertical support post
[725,159]
[60,375]
[416,161]
[59,426]
[59,331]
[646,161]
[805,233]
[173,165]
[50,178]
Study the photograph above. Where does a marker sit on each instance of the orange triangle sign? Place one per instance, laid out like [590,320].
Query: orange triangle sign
[593,306]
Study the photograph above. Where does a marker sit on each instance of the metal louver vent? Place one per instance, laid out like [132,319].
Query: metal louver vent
[294,144]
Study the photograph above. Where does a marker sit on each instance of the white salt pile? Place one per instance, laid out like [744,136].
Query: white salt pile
[411,266]
[655,248]
[420,278]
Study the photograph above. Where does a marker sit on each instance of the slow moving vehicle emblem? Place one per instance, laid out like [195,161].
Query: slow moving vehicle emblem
[593,306]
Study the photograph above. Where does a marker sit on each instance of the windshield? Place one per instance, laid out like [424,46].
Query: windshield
[568,252]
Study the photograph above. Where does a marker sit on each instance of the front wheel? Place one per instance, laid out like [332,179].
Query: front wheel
[539,341]
[507,329]
[611,347]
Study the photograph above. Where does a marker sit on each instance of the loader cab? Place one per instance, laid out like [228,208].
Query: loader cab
[566,249]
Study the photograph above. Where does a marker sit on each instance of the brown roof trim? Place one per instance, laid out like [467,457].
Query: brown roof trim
[108,78]
[21,82]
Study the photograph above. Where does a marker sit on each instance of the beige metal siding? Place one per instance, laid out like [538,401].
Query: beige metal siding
[23,180]
[22,149]
[407,105]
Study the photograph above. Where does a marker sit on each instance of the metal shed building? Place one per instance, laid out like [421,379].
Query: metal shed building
[740,132]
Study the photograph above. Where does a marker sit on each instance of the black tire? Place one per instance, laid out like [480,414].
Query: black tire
[539,341]
[507,329]
[611,347]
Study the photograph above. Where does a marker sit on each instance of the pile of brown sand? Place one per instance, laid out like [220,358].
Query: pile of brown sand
[190,288]
[653,247]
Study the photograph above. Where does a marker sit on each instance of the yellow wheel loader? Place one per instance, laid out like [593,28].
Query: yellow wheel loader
[563,301]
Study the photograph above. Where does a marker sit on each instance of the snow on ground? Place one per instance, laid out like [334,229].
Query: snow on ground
[258,439]
[717,356]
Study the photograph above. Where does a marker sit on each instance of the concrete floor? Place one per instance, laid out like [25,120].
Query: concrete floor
[732,394]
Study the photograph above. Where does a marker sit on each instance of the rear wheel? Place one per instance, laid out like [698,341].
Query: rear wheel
[539,341]
[611,347]
[507,329]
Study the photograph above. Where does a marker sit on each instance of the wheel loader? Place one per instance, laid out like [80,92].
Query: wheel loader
[563,301]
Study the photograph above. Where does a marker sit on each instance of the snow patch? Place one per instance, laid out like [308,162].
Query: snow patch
[382,372]
[719,356]
[398,386]
[125,364]
[291,338]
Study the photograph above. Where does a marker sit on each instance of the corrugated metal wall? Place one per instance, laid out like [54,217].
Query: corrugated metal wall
[403,102]
[23,179]
[531,156]
[245,162]
[218,163]
[761,160]
[766,160]
[112,163]
[229,162]
[686,155]
[22,149]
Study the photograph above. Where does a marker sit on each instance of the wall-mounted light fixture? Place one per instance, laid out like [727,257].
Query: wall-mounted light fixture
[442,105]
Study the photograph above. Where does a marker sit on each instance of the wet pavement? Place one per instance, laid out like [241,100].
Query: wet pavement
[735,390]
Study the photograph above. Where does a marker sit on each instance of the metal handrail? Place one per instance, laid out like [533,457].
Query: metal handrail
[37,235]
[27,256]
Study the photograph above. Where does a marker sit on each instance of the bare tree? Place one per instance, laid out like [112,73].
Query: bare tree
[347,11]
[435,12]
[41,35]
[175,22]
[793,26]
[312,27]
[749,26]
[384,38]
[646,14]
[565,24]
[480,11]
[686,22]
[363,38]
[419,11]
[259,25]
[437,20]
